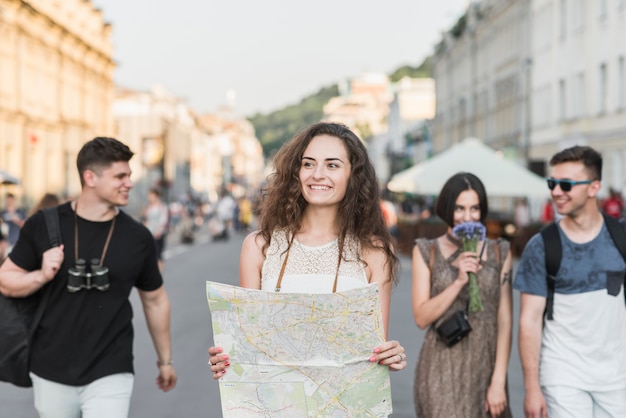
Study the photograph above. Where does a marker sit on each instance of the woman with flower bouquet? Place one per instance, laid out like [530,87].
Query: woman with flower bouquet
[462,294]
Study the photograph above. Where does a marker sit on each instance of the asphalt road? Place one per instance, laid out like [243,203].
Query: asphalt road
[197,395]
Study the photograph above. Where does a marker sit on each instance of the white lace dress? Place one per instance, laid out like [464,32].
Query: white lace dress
[312,269]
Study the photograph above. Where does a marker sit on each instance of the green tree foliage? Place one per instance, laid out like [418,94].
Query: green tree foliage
[424,70]
[459,27]
[275,128]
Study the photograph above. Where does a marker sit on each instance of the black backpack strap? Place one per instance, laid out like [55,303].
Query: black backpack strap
[618,233]
[52,222]
[54,235]
[617,230]
[554,252]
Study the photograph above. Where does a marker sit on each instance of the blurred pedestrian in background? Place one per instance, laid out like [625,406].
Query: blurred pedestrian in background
[469,379]
[245,213]
[225,213]
[547,212]
[156,219]
[321,229]
[3,245]
[13,217]
[614,205]
[48,200]
[522,213]
[390,214]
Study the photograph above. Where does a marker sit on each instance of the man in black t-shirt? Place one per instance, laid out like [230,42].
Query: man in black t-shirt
[82,355]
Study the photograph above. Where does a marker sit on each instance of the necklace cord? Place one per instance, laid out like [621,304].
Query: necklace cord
[284,266]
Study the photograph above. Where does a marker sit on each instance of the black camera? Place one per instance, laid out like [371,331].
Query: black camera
[454,329]
[79,278]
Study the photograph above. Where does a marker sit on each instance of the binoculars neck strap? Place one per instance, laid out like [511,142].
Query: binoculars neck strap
[106,243]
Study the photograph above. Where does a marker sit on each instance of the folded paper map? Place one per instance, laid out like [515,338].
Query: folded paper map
[300,355]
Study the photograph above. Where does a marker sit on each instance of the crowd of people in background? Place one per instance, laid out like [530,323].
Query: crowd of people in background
[180,219]
[228,215]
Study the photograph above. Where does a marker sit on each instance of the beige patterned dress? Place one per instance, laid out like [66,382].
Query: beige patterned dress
[312,269]
[452,382]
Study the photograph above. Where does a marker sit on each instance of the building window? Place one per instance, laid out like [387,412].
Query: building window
[602,6]
[563,14]
[602,90]
[578,15]
[580,92]
[621,84]
[562,99]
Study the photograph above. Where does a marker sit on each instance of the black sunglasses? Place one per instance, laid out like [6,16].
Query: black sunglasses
[566,185]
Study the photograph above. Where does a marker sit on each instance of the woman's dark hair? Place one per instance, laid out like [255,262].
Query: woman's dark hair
[458,183]
[48,200]
[359,214]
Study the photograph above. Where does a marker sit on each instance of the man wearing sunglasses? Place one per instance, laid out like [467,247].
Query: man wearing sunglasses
[575,363]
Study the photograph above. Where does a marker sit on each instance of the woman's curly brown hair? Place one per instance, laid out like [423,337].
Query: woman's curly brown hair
[359,214]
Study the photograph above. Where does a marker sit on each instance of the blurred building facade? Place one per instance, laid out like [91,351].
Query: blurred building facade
[383,114]
[240,151]
[363,104]
[56,90]
[403,144]
[182,152]
[161,129]
[579,81]
[479,69]
[531,77]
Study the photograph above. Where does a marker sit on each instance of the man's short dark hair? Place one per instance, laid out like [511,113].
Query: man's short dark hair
[458,183]
[100,153]
[591,159]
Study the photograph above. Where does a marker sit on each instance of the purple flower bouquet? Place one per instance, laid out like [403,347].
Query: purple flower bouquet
[470,234]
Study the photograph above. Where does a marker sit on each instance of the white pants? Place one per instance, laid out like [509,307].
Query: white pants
[569,402]
[107,397]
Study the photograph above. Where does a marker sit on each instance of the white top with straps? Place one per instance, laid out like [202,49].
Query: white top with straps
[312,269]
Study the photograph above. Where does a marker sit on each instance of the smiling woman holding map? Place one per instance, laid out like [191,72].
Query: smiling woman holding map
[321,229]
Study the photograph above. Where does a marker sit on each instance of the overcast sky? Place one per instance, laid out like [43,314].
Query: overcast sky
[270,52]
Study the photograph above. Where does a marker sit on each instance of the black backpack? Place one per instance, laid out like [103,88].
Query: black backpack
[19,318]
[554,251]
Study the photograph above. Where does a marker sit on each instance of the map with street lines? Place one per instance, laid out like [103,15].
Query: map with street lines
[300,355]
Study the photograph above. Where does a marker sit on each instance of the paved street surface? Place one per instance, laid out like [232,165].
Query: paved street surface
[197,395]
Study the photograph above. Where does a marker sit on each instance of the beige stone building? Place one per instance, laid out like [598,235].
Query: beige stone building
[240,151]
[363,106]
[56,90]
[161,129]
[532,77]
[482,79]
[579,81]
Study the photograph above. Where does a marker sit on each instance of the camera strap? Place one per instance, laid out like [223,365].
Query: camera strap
[106,243]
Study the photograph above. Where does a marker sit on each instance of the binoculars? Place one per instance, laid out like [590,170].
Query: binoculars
[79,278]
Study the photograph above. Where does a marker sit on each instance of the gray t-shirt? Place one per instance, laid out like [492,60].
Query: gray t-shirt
[585,345]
